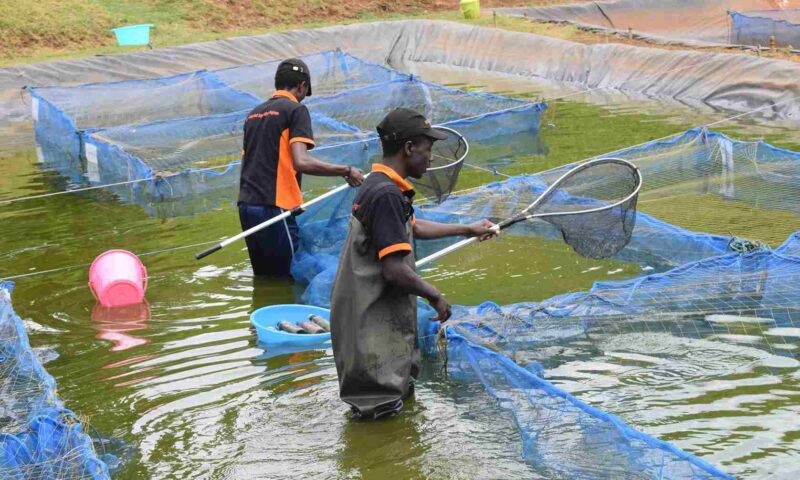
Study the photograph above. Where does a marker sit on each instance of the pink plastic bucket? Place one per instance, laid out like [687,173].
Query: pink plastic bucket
[117,278]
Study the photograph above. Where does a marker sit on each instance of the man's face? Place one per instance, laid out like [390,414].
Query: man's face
[419,157]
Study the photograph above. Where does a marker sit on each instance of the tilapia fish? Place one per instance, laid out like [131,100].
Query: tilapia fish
[311,327]
[320,321]
[290,327]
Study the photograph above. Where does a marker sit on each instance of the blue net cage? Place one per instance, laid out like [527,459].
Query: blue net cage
[189,163]
[766,27]
[183,160]
[39,437]
[438,103]
[687,319]
[331,72]
[61,113]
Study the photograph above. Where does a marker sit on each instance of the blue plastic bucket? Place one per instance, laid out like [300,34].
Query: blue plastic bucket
[266,320]
[133,35]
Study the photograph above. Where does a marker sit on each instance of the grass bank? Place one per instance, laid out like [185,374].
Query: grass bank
[65,29]
[58,29]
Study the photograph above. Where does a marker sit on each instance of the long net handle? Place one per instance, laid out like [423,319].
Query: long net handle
[297,211]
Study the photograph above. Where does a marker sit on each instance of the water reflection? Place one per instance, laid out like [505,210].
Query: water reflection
[114,323]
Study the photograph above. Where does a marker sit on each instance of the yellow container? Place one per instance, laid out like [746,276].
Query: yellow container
[471,8]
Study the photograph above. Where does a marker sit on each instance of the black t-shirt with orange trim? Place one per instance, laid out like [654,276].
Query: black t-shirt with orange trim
[383,205]
[268,176]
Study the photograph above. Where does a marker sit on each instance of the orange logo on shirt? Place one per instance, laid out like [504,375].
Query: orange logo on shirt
[269,113]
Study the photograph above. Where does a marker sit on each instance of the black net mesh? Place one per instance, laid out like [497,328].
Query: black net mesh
[442,175]
[594,207]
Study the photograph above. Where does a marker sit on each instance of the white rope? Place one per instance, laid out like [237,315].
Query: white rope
[493,172]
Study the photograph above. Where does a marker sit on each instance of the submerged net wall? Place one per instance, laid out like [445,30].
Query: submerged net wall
[563,436]
[39,437]
[730,317]
[197,154]
[763,27]
[712,299]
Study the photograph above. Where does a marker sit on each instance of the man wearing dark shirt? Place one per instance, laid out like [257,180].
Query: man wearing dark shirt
[277,137]
[374,297]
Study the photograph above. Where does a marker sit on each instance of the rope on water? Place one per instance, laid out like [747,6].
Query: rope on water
[441,345]
[441,337]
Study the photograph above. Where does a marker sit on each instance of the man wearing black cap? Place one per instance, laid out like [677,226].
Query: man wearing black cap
[277,137]
[374,297]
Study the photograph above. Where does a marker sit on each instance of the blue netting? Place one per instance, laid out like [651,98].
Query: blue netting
[756,27]
[180,153]
[438,103]
[39,438]
[61,113]
[563,434]
[331,72]
[176,151]
[675,318]
[108,104]
[696,166]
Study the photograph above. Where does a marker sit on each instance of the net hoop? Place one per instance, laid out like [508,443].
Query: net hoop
[572,172]
[460,159]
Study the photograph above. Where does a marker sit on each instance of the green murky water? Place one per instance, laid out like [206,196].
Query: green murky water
[188,393]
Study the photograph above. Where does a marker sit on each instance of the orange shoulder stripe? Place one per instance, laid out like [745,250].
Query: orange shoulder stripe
[302,139]
[397,247]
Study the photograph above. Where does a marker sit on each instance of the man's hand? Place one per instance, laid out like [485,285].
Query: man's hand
[483,229]
[441,306]
[354,177]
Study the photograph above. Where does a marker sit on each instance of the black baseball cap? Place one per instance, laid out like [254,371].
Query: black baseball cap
[293,71]
[405,123]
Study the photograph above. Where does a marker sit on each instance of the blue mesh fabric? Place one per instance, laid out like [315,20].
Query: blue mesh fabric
[702,279]
[39,438]
[190,152]
[756,27]
[331,72]
[438,103]
[109,104]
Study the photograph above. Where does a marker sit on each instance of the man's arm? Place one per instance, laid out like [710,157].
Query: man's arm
[305,163]
[401,276]
[424,229]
